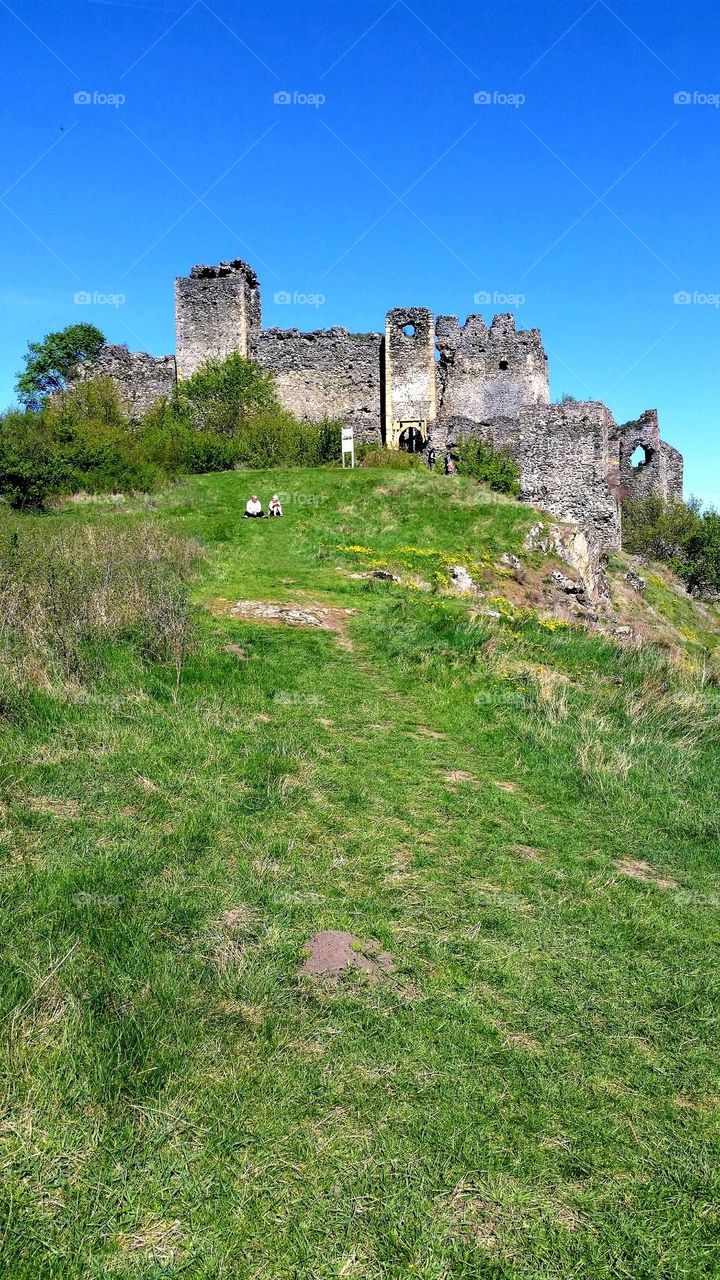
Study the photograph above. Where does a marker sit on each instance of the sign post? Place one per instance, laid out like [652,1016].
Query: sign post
[348,445]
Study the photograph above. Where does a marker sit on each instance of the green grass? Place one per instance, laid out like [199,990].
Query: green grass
[532,1093]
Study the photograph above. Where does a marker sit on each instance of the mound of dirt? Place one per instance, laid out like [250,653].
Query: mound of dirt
[332,951]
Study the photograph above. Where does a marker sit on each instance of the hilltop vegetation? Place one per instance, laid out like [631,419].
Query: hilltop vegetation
[522,813]
[71,436]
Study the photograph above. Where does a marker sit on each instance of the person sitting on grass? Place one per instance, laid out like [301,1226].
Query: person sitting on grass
[275,508]
[253,509]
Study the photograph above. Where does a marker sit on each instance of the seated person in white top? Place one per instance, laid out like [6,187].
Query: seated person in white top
[275,508]
[253,508]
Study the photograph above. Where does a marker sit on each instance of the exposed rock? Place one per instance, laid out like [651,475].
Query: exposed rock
[460,579]
[568,585]
[635,579]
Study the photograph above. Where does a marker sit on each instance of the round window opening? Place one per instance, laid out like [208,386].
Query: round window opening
[409,330]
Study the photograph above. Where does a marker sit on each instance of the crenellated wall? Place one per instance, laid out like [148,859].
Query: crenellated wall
[488,372]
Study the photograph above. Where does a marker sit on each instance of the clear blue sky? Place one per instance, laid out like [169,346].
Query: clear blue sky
[596,199]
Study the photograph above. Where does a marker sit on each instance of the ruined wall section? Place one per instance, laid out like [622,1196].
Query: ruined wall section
[489,372]
[217,312]
[141,380]
[329,373]
[659,470]
[410,374]
[672,472]
[568,465]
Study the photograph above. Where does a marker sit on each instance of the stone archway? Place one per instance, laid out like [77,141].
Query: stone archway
[411,438]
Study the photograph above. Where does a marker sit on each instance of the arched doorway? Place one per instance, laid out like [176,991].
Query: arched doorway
[410,438]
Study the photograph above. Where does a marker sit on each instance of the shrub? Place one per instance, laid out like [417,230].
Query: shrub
[224,394]
[490,465]
[680,534]
[658,529]
[94,441]
[30,470]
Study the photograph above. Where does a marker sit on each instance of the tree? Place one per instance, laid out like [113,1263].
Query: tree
[224,394]
[49,363]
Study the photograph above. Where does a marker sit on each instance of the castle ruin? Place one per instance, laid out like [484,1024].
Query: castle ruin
[422,382]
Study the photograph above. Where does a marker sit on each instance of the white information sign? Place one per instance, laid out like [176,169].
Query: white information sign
[348,445]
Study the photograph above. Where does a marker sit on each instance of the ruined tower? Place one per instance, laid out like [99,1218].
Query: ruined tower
[410,379]
[488,372]
[217,312]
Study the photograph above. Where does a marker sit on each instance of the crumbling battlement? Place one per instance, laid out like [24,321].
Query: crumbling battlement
[420,383]
[485,372]
[141,380]
[647,465]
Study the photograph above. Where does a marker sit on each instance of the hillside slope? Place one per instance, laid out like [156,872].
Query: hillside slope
[517,821]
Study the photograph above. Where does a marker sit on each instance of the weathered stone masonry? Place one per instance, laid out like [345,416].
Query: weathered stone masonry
[422,382]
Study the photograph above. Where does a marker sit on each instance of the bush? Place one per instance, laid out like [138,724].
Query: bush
[225,416]
[224,394]
[374,455]
[490,465]
[681,535]
[30,470]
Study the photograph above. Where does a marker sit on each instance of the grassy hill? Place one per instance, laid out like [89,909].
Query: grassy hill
[523,814]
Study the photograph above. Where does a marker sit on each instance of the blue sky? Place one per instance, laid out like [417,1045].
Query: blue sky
[593,201]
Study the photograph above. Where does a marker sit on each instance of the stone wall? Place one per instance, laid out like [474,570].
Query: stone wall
[217,312]
[489,372]
[328,373]
[672,472]
[140,379]
[568,467]
[410,376]
[658,468]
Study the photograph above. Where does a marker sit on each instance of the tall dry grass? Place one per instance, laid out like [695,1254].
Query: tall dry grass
[67,592]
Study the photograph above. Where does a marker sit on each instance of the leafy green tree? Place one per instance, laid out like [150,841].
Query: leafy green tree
[49,363]
[225,394]
[702,556]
